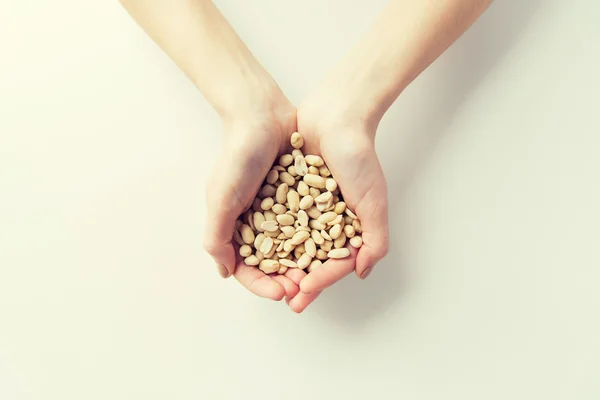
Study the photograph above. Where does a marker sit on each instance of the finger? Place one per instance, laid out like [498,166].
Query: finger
[258,282]
[330,272]
[291,289]
[301,300]
[375,232]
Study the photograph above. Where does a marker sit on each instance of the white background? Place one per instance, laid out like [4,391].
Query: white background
[490,290]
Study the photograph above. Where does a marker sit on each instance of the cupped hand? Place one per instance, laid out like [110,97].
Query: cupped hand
[252,141]
[346,143]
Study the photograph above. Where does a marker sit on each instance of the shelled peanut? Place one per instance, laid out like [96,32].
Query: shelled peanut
[298,218]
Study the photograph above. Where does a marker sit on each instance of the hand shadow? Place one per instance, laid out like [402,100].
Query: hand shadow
[352,302]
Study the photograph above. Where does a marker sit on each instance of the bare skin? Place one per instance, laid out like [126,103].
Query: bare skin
[350,102]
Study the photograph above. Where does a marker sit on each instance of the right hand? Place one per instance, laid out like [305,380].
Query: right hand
[252,141]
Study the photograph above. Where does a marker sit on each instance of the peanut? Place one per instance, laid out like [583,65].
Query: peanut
[314,264]
[302,188]
[279,209]
[303,218]
[338,220]
[300,166]
[310,247]
[314,161]
[327,245]
[285,220]
[340,241]
[350,213]
[269,266]
[269,215]
[273,234]
[251,260]
[285,160]
[335,231]
[297,140]
[313,212]
[288,263]
[304,261]
[292,171]
[293,200]
[315,224]
[299,237]
[316,237]
[324,171]
[272,176]
[288,246]
[296,153]
[340,207]
[269,226]
[259,256]
[288,231]
[349,231]
[282,269]
[321,255]
[339,253]
[306,202]
[356,242]
[286,178]
[315,181]
[258,219]
[298,251]
[267,203]
[327,217]
[314,192]
[258,240]
[266,245]
[245,251]
[281,193]
[247,234]
[267,191]
[331,184]
[280,246]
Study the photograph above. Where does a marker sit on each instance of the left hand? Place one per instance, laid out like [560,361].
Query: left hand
[346,143]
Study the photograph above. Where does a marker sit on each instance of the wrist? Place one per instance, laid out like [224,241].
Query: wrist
[336,107]
[243,95]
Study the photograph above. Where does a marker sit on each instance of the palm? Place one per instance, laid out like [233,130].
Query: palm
[351,158]
[248,152]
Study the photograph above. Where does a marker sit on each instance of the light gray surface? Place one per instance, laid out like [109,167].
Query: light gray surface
[490,290]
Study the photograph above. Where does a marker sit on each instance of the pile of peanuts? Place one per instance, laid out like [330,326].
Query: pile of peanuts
[298,218]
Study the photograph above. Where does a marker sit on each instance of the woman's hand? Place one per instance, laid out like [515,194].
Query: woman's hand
[253,138]
[345,140]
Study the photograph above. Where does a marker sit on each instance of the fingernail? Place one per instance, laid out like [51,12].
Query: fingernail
[223,271]
[366,273]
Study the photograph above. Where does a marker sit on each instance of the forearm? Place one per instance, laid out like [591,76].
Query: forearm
[406,38]
[203,44]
